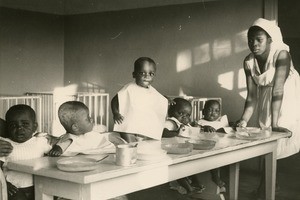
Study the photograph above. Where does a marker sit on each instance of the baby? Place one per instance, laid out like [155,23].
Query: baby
[179,116]
[27,144]
[80,137]
[139,110]
[212,120]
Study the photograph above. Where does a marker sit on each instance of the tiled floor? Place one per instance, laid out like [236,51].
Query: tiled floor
[288,178]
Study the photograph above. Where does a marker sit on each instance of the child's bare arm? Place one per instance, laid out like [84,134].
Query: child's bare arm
[167,133]
[118,118]
[59,148]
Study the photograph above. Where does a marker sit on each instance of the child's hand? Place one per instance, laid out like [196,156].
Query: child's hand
[118,118]
[208,129]
[11,189]
[195,124]
[55,151]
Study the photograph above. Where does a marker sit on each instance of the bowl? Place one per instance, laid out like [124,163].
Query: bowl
[202,144]
[178,148]
[252,133]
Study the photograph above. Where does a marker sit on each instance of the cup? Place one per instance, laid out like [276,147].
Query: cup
[126,154]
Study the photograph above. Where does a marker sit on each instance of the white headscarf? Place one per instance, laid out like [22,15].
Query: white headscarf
[274,31]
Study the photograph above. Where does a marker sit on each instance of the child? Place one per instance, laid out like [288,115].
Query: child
[212,122]
[74,116]
[138,108]
[21,127]
[179,117]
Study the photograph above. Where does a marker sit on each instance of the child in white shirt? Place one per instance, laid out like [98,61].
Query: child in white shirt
[139,110]
[21,127]
[80,137]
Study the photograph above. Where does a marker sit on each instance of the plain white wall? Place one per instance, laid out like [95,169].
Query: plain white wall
[31,51]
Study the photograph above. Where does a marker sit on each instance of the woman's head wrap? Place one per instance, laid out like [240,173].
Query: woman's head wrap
[274,31]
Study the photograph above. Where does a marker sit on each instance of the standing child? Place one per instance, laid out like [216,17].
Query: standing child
[138,108]
[80,137]
[27,144]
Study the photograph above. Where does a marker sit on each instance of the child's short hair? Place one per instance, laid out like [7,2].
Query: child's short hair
[67,113]
[140,62]
[20,108]
[211,102]
[178,103]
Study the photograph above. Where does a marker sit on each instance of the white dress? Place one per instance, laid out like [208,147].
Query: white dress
[289,116]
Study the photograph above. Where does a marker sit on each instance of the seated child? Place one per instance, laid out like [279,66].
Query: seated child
[80,137]
[138,108]
[179,116]
[212,122]
[27,144]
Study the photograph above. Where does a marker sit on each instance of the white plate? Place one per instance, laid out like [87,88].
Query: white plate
[78,164]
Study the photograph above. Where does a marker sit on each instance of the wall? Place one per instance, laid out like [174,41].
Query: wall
[199,48]
[31,51]
[289,20]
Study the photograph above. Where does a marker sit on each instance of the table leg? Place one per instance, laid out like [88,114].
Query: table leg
[234,181]
[270,171]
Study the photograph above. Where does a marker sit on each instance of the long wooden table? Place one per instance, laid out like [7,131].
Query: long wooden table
[109,180]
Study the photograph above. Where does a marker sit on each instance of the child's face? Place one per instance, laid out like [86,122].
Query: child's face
[182,113]
[212,113]
[20,127]
[84,122]
[144,77]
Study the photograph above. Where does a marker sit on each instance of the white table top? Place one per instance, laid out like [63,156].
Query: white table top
[107,169]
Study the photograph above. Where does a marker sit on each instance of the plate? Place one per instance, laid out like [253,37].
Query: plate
[251,133]
[157,154]
[202,144]
[78,164]
[178,148]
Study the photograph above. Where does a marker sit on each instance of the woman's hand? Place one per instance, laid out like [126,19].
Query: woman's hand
[118,118]
[240,123]
[5,148]
[281,129]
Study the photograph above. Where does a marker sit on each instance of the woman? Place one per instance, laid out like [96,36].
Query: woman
[273,85]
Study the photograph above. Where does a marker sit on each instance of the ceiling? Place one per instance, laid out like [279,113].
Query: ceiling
[71,7]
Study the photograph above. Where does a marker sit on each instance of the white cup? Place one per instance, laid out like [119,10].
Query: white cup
[126,154]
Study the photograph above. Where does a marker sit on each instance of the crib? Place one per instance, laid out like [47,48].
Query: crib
[35,102]
[198,105]
[46,105]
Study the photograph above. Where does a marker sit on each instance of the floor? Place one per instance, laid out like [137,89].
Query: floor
[288,177]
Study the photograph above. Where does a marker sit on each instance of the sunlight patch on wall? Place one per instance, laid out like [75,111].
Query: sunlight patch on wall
[240,42]
[226,80]
[184,60]
[221,48]
[201,54]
